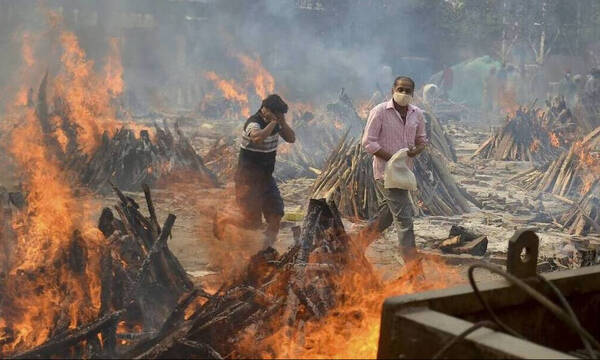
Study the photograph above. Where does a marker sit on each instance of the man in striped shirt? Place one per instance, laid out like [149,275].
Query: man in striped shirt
[256,190]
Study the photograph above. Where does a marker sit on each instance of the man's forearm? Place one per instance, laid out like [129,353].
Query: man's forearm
[416,150]
[383,154]
[259,135]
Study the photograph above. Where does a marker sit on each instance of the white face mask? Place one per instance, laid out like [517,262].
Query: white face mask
[402,99]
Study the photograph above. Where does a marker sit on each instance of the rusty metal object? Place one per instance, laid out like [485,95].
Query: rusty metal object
[418,325]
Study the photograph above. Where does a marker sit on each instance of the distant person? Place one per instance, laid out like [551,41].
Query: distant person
[391,126]
[489,91]
[592,85]
[257,194]
[566,87]
[591,93]
[447,81]
[430,94]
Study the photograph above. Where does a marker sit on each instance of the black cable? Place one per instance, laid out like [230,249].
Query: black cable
[543,300]
[463,335]
[565,304]
[489,309]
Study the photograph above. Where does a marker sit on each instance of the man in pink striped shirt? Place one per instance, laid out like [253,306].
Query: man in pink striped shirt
[391,126]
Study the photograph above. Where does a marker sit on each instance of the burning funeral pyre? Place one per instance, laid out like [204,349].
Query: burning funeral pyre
[144,305]
[153,156]
[523,138]
[584,216]
[572,174]
[67,283]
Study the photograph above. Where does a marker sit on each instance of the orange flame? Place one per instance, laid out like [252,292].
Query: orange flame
[87,95]
[230,92]
[52,271]
[263,81]
[21,98]
[535,145]
[554,140]
[351,330]
[590,162]
[364,107]
[28,63]
[59,134]
[113,68]
[27,49]
[45,284]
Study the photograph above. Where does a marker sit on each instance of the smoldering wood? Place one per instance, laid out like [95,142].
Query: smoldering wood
[523,137]
[583,218]
[151,210]
[61,343]
[123,157]
[463,241]
[284,287]
[141,282]
[567,174]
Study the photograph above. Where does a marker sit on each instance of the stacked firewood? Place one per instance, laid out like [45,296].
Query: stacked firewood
[150,309]
[274,292]
[141,285]
[221,158]
[348,181]
[438,137]
[570,173]
[584,216]
[522,138]
[124,158]
[130,161]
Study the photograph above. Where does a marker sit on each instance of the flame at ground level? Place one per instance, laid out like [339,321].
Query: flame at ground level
[350,330]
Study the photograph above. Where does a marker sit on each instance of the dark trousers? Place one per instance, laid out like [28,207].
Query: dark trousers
[395,208]
[257,195]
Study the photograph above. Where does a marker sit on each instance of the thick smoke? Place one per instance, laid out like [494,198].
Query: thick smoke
[312,48]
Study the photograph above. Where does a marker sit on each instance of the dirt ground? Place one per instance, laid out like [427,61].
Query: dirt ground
[505,209]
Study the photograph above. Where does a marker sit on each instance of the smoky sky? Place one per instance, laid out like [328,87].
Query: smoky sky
[311,51]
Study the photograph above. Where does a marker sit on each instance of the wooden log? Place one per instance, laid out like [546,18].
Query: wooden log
[450,243]
[60,344]
[192,348]
[151,210]
[475,247]
[157,247]
[465,235]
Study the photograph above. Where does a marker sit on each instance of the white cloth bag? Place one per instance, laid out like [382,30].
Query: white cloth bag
[397,175]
